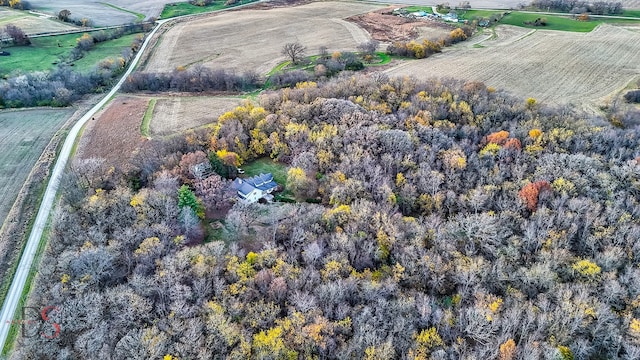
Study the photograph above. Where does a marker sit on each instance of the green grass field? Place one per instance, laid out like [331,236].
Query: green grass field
[112,48]
[472,14]
[266,165]
[45,52]
[426,9]
[553,22]
[631,13]
[184,8]
[179,9]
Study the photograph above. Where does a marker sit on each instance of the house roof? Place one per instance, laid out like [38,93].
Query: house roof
[263,182]
[245,188]
[235,185]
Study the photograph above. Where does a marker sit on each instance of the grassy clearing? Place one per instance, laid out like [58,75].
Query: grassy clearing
[146,120]
[426,9]
[179,9]
[101,51]
[138,15]
[631,13]
[45,52]
[215,234]
[472,14]
[184,8]
[553,22]
[266,165]
[381,58]
[41,55]
[278,68]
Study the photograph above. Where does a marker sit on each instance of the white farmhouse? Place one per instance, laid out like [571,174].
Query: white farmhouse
[253,189]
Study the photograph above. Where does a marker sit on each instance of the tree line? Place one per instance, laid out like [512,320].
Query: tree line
[426,48]
[579,7]
[194,79]
[455,222]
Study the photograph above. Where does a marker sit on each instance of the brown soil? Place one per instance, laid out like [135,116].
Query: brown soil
[114,135]
[388,28]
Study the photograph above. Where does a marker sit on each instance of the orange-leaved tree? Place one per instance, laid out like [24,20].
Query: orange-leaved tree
[530,192]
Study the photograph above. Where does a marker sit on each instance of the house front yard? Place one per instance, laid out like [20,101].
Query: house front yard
[266,165]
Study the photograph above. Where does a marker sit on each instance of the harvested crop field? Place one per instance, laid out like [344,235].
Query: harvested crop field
[23,134]
[253,39]
[551,66]
[29,23]
[114,135]
[100,13]
[175,114]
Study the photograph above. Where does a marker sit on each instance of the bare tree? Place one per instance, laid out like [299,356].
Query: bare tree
[369,47]
[64,15]
[18,36]
[295,51]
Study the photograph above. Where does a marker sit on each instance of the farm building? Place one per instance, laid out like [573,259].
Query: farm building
[202,170]
[255,188]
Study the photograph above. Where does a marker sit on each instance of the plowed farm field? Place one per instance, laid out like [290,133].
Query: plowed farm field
[253,39]
[551,66]
[175,114]
[113,136]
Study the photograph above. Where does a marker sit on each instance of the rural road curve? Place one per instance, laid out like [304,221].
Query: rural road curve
[17,285]
[20,278]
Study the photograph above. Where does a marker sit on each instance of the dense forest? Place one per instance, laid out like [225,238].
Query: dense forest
[451,221]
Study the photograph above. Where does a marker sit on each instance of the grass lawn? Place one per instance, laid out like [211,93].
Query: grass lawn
[471,14]
[44,52]
[631,13]
[40,55]
[179,9]
[184,8]
[381,58]
[266,165]
[112,48]
[426,9]
[553,22]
